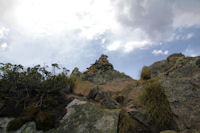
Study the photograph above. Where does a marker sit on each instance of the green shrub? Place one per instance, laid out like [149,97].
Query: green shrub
[26,116]
[157,106]
[21,87]
[146,73]
[58,83]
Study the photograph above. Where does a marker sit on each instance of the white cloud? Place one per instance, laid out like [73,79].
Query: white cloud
[158,18]
[114,46]
[51,17]
[60,28]
[130,46]
[180,36]
[191,52]
[189,35]
[160,52]
[103,40]
[3,32]
[3,46]
[183,11]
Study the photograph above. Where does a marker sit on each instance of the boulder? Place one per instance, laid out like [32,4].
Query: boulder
[127,124]
[84,117]
[102,97]
[140,117]
[180,77]
[3,124]
[29,127]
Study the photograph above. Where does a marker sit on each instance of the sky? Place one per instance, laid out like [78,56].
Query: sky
[74,33]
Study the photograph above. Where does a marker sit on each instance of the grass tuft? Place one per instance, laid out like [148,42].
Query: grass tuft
[128,125]
[157,106]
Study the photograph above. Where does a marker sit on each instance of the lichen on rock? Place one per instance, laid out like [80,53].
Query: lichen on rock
[88,118]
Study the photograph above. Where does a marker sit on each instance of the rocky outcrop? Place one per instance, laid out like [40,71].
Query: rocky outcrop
[180,76]
[76,72]
[100,72]
[170,90]
[101,64]
[102,97]
[84,117]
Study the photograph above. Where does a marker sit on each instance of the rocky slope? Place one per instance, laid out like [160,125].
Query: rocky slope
[165,99]
[180,76]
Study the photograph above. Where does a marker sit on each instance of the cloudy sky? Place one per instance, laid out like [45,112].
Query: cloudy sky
[74,33]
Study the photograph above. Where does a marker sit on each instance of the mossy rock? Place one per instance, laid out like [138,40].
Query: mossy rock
[174,57]
[84,117]
[128,125]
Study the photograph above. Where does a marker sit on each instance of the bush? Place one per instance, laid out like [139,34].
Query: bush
[24,87]
[146,73]
[28,115]
[157,106]
[58,83]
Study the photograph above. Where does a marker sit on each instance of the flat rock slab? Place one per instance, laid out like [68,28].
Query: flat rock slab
[84,117]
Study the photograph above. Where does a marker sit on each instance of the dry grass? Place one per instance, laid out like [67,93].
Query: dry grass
[83,87]
[128,125]
[129,89]
[157,106]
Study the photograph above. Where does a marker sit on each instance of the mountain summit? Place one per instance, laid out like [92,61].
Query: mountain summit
[100,72]
[102,64]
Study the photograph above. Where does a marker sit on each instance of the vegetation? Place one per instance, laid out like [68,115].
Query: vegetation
[157,106]
[27,115]
[34,89]
[120,99]
[129,125]
[146,73]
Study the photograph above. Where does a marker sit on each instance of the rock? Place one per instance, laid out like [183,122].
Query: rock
[127,124]
[29,127]
[180,76]
[84,117]
[102,97]
[76,72]
[102,71]
[139,116]
[174,56]
[3,124]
